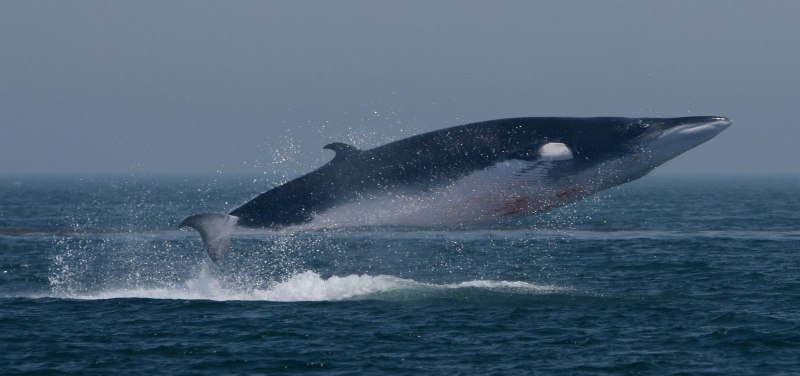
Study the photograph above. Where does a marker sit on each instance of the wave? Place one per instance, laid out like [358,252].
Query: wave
[309,286]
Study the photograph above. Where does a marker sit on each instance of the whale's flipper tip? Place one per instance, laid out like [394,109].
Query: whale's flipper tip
[215,230]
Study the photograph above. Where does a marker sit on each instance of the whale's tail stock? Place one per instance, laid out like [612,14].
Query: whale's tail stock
[215,229]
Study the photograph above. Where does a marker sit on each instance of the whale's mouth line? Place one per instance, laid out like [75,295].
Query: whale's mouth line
[717,125]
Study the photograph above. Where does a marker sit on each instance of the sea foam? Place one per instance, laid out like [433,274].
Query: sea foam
[310,286]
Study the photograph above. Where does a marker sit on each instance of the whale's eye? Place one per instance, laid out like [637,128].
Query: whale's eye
[555,151]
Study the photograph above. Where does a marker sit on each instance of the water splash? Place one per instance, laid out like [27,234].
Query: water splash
[128,253]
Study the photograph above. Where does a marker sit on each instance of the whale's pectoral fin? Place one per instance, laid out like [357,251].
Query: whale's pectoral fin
[215,230]
[342,150]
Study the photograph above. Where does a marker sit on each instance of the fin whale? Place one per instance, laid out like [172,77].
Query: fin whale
[473,173]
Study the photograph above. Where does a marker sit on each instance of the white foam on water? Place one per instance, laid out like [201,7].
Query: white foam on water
[309,286]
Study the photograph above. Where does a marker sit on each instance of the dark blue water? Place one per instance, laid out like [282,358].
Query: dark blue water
[661,276]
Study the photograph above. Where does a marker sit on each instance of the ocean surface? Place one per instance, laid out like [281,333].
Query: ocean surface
[665,275]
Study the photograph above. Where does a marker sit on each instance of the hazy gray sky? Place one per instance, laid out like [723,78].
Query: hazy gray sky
[259,86]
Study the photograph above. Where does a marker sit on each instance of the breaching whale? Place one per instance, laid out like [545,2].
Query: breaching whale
[471,173]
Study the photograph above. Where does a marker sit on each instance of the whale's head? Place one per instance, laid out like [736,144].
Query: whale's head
[604,152]
[650,142]
[669,138]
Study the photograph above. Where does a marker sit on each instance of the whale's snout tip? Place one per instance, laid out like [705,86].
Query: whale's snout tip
[722,121]
[712,124]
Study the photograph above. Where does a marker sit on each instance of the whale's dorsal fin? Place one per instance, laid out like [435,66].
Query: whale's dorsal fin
[342,150]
